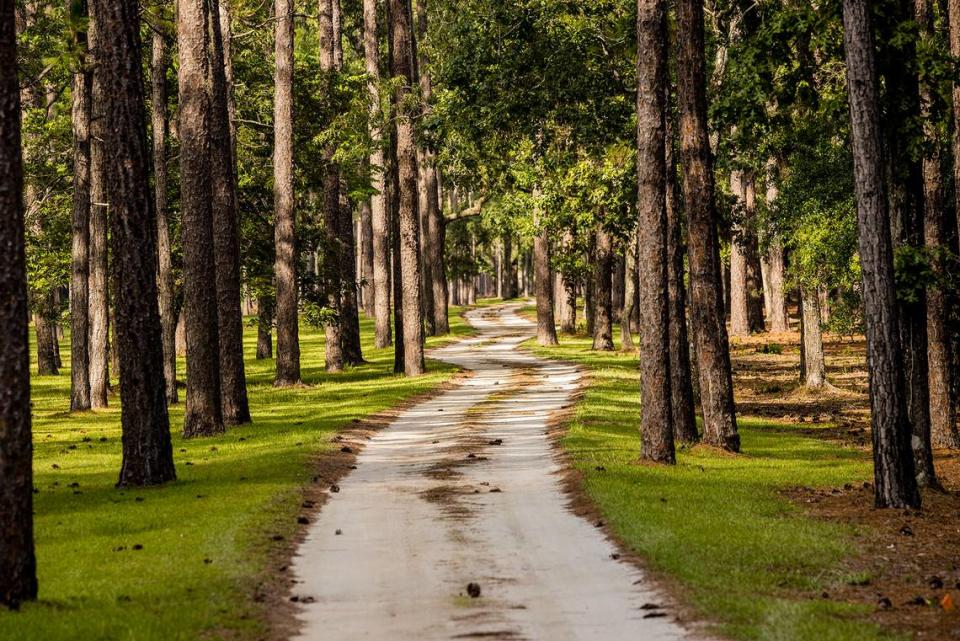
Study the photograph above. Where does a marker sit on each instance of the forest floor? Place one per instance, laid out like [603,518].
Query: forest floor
[782,541]
[192,559]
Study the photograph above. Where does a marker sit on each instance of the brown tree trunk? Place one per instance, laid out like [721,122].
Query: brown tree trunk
[99,348]
[709,328]
[147,451]
[46,338]
[618,285]
[403,66]
[80,226]
[203,412]
[943,411]
[366,258]
[546,327]
[754,280]
[681,375]
[739,324]
[602,283]
[380,218]
[226,233]
[895,483]
[813,371]
[775,291]
[168,320]
[656,418]
[568,291]
[508,289]
[285,237]
[264,327]
[18,565]
[630,285]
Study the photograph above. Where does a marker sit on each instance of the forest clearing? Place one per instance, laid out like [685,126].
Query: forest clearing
[462,319]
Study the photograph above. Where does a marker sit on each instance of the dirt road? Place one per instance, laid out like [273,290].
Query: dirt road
[462,489]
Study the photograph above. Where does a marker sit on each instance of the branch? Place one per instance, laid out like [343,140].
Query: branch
[474,210]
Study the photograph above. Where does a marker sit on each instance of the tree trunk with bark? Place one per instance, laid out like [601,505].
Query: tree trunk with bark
[380,221]
[18,564]
[508,289]
[754,280]
[80,223]
[203,414]
[285,233]
[681,374]
[656,417]
[403,66]
[895,483]
[630,285]
[813,371]
[99,348]
[709,328]
[546,326]
[366,259]
[775,290]
[226,231]
[147,450]
[158,104]
[602,285]
[264,327]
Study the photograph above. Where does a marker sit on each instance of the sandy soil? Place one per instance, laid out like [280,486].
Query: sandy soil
[461,493]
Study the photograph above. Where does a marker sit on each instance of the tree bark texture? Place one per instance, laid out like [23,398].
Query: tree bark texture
[656,418]
[707,307]
[813,372]
[774,287]
[18,565]
[630,285]
[895,484]
[147,451]
[546,326]
[203,411]
[285,233]
[602,285]
[99,348]
[264,327]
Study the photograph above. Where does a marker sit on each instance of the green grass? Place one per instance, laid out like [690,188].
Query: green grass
[205,538]
[715,526]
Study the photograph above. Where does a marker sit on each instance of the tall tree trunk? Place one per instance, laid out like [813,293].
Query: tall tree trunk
[739,323]
[366,259]
[285,237]
[99,348]
[681,374]
[203,412]
[813,372]
[943,411]
[46,338]
[509,286]
[895,483]
[403,66]
[630,286]
[602,284]
[775,291]
[656,417]
[380,222]
[147,451]
[264,326]
[18,565]
[618,284]
[754,280]
[226,232]
[158,103]
[568,291]
[80,224]
[709,328]
[546,327]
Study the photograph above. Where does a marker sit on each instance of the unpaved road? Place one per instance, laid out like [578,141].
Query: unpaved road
[460,489]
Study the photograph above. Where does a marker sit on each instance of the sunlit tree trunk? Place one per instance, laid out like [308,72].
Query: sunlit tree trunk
[813,371]
[630,285]
[546,327]
[707,312]
[602,284]
[99,347]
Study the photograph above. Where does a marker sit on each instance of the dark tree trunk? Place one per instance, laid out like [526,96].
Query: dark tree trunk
[380,215]
[602,284]
[366,258]
[943,411]
[618,285]
[147,451]
[568,290]
[754,280]
[656,419]
[168,320]
[99,348]
[546,327]
[226,234]
[509,286]
[18,565]
[264,327]
[895,484]
[681,375]
[403,66]
[203,412]
[285,238]
[46,338]
[709,328]
[80,223]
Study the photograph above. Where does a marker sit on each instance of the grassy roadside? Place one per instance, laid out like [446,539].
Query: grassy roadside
[715,527]
[179,562]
